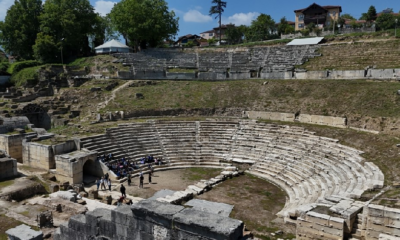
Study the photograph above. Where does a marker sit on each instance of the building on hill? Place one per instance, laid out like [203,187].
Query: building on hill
[183,40]
[112,46]
[319,15]
[207,34]
[214,33]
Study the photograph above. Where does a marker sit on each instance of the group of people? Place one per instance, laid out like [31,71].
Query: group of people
[122,167]
[104,182]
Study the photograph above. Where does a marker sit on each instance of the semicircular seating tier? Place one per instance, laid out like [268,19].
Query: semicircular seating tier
[258,59]
[306,166]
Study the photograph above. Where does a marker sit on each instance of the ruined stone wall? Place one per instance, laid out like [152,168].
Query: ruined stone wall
[70,166]
[276,116]
[320,226]
[42,156]
[304,118]
[12,144]
[380,220]
[9,124]
[37,155]
[8,168]
[150,220]
[323,120]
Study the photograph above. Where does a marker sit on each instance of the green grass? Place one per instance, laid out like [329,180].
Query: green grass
[329,97]
[8,223]
[7,183]
[197,174]
[44,184]
[28,74]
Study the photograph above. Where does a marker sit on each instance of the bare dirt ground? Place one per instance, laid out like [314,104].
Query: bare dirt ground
[256,201]
[176,180]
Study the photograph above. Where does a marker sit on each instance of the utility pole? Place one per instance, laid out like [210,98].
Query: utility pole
[395,27]
[62,59]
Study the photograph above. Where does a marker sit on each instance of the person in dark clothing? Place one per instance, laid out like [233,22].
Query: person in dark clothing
[149,177]
[122,189]
[129,179]
[141,181]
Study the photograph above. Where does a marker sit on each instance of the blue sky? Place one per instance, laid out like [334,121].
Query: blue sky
[194,18]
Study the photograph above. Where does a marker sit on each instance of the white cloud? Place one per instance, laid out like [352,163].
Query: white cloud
[177,11]
[103,7]
[196,16]
[4,6]
[242,18]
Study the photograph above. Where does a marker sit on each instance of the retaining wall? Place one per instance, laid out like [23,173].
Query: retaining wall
[320,226]
[150,220]
[386,74]
[304,118]
[381,220]
[42,156]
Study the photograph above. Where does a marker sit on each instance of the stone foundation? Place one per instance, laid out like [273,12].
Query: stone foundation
[150,220]
[70,166]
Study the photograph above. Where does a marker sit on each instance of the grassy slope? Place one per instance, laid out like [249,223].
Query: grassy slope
[357,56]
[338,98]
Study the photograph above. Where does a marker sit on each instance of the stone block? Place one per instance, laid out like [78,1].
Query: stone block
[24,232]
[156,212]
[208,225]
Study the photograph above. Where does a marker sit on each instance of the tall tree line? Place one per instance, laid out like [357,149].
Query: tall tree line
[67,28]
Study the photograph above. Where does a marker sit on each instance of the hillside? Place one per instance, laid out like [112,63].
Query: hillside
[356,56]
[366,104]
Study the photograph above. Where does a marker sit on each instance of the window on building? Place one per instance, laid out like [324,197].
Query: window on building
[211,34]
[301,17]
[328,23]
[333,13]
[301,25]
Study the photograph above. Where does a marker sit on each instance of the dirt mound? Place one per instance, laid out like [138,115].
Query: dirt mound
[22,188]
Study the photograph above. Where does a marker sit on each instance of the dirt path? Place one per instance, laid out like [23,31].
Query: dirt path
[114,92]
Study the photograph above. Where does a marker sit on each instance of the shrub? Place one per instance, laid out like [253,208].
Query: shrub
[22,77]
[4,66]
[18,66]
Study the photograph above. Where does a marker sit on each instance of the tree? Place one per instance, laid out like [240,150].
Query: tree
[144,22]
[347,16]
[385,21]
[218,9]
[67,25]
[284,27]
[370,15]
[262,28]
[104,31]
[20,27]
[233,34]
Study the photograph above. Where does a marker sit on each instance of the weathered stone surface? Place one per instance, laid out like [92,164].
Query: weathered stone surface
[211,207]
[24,232]
[208,225]
[8,168]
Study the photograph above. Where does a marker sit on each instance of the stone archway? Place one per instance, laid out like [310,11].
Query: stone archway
[91,171]
[37,115]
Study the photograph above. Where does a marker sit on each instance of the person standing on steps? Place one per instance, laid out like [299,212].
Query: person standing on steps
[122,189]
[109,184]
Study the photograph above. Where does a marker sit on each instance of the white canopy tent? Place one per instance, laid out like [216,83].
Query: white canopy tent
[306,41]
[112,46]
